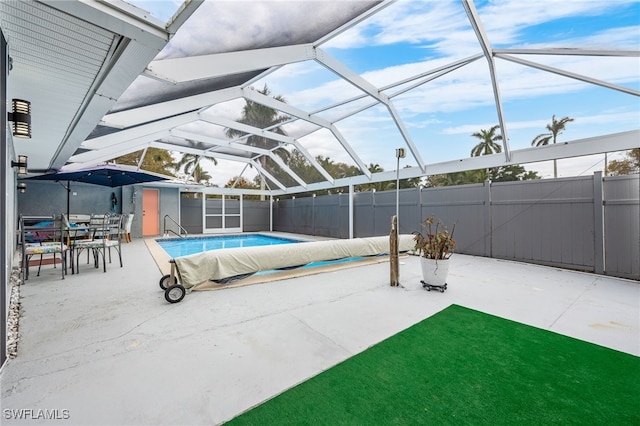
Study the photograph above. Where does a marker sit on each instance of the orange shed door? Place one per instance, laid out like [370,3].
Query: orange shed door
[150,212]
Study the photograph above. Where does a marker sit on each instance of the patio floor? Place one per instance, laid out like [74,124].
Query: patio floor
[106,348]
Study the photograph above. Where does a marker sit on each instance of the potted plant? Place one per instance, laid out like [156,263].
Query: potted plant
[434,247]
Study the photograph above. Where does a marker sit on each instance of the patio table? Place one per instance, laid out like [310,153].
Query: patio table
[99,236]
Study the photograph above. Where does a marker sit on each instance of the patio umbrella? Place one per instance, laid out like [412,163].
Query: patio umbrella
[113,175]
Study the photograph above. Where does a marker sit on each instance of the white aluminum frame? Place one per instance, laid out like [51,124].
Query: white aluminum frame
[145,126]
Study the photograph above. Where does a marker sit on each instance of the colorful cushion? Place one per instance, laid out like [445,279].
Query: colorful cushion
[45,248]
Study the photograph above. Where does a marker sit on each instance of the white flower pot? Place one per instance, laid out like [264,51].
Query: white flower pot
[434,272]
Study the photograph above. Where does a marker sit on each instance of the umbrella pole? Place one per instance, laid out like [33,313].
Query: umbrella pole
[68,188]
[68,197]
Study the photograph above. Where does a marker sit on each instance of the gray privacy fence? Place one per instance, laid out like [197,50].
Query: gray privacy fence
[587,223]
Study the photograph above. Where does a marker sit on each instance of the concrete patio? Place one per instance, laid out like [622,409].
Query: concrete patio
[106,348]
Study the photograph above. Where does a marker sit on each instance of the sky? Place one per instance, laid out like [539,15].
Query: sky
[410,37]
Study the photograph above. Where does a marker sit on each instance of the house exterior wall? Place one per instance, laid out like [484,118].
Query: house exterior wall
[48,198]
[7,186]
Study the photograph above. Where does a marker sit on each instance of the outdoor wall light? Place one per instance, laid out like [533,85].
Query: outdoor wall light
[21,117]
[22,187]
[21,164]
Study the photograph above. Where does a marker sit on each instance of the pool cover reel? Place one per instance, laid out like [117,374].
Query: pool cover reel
[224,263]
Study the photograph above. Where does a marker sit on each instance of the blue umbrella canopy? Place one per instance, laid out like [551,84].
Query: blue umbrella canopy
[112,175]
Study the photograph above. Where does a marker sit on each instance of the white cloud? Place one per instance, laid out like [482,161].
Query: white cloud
[605,119]
[223,26]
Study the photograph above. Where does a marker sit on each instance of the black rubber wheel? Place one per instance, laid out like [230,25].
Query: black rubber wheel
[428,288]
[165,282]
[442,290]
[175,293]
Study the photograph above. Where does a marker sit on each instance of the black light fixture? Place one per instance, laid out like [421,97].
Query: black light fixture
[21,164]
[22,187]
[21,117]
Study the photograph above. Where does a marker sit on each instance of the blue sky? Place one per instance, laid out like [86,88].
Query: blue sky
[409,37]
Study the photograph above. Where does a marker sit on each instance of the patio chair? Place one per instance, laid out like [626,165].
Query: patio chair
[84,232]
[126,227]
[76,232]
[42,235]
[106,230]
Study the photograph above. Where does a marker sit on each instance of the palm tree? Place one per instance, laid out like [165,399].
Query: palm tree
[555,128]
[487,144]
[200,175]
[191,166]
[260,116]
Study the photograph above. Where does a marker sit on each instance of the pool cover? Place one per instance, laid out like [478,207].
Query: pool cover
[224,263]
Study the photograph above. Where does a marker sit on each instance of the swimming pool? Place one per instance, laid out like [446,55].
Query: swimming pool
[163,250]
[176,247]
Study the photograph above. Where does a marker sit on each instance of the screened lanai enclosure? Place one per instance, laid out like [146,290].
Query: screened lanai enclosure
[279,99]
[304,116]
[345,83]
[314,117]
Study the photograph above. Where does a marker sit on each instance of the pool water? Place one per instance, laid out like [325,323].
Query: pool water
[321,263]
[176,247]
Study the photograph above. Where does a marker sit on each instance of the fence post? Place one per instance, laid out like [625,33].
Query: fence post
[419,206]
[488,220]
[598,229]
[271,213]
[351,210]
[293,214]
[373,212]
[313,214]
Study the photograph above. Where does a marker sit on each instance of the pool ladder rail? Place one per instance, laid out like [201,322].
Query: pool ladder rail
[166,230]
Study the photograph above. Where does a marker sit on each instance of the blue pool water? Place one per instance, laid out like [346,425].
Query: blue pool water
[321,263]
[177,247]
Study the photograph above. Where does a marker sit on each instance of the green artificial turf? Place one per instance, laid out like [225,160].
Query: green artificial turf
[465,367]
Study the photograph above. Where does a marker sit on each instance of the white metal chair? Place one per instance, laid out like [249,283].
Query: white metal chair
[126,227]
